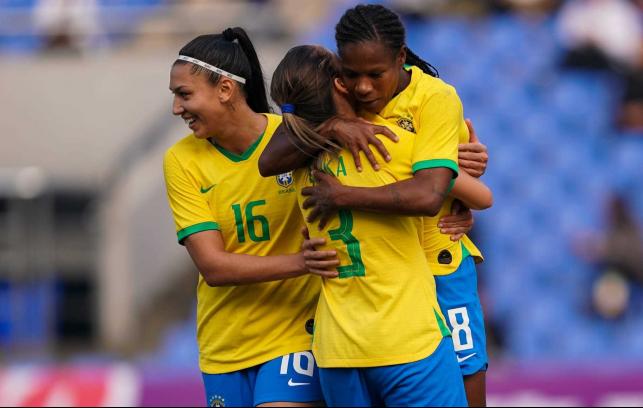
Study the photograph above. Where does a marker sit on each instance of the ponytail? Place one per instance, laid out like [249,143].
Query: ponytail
[238,58]
[255,86]
[413,59]
[303,80]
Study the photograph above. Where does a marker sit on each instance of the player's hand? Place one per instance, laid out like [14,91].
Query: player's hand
[355,135]
[322,198]
[458,223]
[473,156]
[320,263]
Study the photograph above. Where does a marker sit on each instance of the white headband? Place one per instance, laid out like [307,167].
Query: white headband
[212,68]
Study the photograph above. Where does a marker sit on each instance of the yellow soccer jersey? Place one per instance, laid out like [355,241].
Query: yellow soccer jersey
[429,107]
[210,188]
[383,309]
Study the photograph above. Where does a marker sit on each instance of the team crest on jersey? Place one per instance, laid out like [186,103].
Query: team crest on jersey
[285,180]
[217,401]
[407,124]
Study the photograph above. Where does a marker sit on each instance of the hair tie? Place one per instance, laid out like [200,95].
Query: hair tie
[287,108]
[229,35]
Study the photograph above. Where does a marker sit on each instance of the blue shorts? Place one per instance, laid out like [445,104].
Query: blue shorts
[460,304]
[290,378]
[431,382]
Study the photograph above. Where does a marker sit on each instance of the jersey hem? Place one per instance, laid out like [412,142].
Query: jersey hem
[210,368]
[379,362]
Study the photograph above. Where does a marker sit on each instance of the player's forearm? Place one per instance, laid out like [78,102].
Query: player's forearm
[421,195]
[226,269]
[472,192]
[281,155]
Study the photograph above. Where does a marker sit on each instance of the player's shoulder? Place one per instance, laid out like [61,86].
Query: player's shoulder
[273,122]
[187,146]
[429,86]
[395,128]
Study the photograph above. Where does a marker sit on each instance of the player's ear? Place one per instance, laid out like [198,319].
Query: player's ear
[340,86]
[226,90]
[401,56]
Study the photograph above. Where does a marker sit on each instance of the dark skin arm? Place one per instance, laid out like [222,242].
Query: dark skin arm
[423,194]
[284,154]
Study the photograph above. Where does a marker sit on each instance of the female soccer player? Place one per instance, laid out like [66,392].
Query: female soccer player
[382,76]
[255,298]
[380,338]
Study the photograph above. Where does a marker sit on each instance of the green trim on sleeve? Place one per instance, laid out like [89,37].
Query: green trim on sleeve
[465,251]
[431,164]
[451,184]
[204,226]
[444,330]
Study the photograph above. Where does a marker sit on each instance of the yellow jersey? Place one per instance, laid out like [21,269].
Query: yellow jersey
[431,108]
[382,309]
[210,188]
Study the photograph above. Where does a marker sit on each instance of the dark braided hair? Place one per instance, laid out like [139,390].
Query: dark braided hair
[373,22]
[239,58]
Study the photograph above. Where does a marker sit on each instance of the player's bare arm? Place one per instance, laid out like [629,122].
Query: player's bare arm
[221,268]
[423,194]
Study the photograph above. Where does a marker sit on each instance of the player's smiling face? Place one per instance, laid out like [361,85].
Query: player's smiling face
[195,100]
[371,73]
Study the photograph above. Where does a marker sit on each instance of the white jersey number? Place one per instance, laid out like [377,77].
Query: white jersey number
[459,327]
[297,363]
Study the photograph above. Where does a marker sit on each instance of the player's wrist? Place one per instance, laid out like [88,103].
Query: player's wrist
[342,197]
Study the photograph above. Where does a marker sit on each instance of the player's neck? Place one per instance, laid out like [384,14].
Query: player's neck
[240,129]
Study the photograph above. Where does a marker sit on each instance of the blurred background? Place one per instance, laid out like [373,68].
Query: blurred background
[97,301]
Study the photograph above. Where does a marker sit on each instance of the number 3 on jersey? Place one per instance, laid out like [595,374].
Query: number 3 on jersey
[344,234]
[250,222]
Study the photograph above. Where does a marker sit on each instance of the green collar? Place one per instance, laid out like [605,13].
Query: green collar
[238,157]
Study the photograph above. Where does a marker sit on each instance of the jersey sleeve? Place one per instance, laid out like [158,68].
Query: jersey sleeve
[440,122]
[190,209]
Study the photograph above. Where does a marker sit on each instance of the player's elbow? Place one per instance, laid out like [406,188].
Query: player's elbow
[485,201]
[430,205]
[489,202]
[215,278]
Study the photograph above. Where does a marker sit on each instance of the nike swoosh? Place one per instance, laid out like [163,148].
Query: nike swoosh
[205,190]
[294,384]
[465,357]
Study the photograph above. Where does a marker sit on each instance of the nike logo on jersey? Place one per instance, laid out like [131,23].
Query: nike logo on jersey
[291,383]
[465,357]
[205,190]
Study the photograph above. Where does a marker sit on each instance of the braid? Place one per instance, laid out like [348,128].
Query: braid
[374,22]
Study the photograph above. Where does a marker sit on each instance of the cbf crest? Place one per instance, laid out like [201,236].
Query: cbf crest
[407,124]
[217,401]
[285,180]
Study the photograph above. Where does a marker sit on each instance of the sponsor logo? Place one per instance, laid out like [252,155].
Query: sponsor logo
[205,190]
[407,124]
[291,383]
[217,401]
[460,360]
